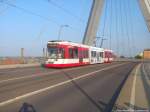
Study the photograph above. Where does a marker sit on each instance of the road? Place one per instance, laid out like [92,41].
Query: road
[90,88]
[135,94]
[145,70]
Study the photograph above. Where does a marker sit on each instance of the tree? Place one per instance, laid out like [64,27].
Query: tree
[138,57]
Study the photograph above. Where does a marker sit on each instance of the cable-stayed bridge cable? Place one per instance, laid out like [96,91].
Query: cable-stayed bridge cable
[36,14]
[66,11]
[110,33]
[116,27]
[127,26]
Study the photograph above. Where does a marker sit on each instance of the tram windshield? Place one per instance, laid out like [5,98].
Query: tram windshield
[54,52]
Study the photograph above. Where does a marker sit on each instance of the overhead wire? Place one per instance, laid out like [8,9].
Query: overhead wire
[66,11]
[30,12]
[82,8]
[131,27]
[2,11]
[116,27]
[127,32]
[110,33]
[35,14]
[126,28]
[41,32]
[121,27]
[43,28]
[105,19]
[77,18]
[137,15]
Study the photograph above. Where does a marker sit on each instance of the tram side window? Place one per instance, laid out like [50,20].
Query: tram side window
[93,53]
[70,53]
[86,54]
[110,55]
[80,54]
[101,54]
[107,54]
[61,53]
[73,53]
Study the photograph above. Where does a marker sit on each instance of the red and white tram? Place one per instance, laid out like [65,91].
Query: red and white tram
[108,56]
[61,54]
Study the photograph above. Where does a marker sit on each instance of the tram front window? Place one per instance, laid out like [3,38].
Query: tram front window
[52,52]
[55,53]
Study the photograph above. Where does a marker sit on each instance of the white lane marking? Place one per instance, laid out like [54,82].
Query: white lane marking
[11,71]
[36,75]
[132,110]
[132,98]
[18,70]
[145,73]
[25,77]
[53,86]
[33,75]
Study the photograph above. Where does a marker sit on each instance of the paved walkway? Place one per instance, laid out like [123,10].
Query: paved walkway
[135,95]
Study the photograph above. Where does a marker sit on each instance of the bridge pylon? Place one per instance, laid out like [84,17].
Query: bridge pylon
[93,22]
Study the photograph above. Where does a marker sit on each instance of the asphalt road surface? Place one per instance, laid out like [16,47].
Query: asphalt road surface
[92,88]
[145,70]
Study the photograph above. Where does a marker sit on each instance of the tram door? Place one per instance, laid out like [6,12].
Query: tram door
[80,55]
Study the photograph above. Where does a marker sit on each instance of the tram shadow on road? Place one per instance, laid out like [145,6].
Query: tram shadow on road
[102,106]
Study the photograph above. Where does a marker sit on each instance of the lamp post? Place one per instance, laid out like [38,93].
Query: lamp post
[60,30]
[22,55]
[102,42]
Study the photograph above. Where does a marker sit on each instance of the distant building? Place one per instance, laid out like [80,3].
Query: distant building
[146,54]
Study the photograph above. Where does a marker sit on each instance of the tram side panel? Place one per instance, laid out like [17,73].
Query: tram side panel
[96,55]
[108,57]
[70,56]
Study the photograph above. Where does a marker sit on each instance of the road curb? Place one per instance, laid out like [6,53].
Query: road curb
[111,104]
[132,96]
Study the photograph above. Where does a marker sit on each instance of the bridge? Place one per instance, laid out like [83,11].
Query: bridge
[94,18]
[123,85]
[145,6]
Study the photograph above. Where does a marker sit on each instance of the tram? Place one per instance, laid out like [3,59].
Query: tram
[61,54]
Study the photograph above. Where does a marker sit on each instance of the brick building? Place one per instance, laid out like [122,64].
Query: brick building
[146,54]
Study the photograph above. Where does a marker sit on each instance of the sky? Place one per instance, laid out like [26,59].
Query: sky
[30,24]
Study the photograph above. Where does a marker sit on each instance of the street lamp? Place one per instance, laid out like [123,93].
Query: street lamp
[60,30]
[102,42]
